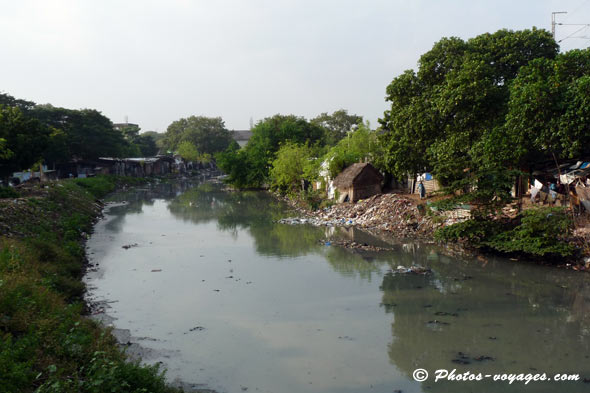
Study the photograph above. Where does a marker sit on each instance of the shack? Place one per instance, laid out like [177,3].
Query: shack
[143,166]
[358,181]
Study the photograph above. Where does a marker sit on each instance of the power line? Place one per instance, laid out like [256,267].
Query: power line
[575,32]
[576,9]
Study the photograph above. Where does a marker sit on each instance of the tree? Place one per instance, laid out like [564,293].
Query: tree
[549,108]
[360,145]
[289,167]
[88,133]
[249,167]
[208,134]
[446,117]
[23,140]
[139,144]
[23,105]
[157,137]
[337,125]
[188,151]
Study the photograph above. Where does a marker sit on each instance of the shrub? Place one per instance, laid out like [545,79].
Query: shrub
[472,231]
[535,232]
[8,192]
[541,232]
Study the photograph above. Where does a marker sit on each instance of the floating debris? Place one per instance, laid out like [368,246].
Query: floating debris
[128,246]
[414,269]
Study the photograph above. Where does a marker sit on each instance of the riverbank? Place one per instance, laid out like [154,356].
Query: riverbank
[48,344]
[403,216]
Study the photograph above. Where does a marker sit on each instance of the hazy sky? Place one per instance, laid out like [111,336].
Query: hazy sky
[157,61]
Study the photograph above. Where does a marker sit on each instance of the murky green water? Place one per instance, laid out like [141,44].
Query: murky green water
[226,297]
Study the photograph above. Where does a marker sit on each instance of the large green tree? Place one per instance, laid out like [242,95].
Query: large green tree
[22,140]
[449,117]
[249,167]
[208,134]
[85,133]
[337,125]
[549,108]
[139,144]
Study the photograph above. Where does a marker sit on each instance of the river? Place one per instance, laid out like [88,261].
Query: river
[206,282]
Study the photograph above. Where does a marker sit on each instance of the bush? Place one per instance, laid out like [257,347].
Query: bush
[541,232]
[535,232]
[8,192]
[472,231]
[98,186]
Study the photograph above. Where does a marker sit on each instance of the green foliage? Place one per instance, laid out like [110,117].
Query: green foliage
[85,133]
[535,232]
[207,134]
[549,107]
[361,144]
[337,125]
[45,343]
[139,145]
[98,186]
[288,169]
[23,140]
[473,231]
[188,151]
[101,185]
[157,137]
[542,231]
[448,118]
[8,192]
[250,166]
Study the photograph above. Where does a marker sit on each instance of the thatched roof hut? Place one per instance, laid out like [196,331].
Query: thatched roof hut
[358,181]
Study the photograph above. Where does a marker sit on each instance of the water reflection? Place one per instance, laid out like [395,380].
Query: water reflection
[255,212]
[286,312]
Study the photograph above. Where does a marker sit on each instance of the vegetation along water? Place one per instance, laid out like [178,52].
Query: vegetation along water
[204,279]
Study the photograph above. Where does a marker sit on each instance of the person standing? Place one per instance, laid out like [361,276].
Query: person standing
[422,190]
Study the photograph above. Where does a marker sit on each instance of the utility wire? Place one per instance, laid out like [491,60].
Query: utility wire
[575,32]
[576,9]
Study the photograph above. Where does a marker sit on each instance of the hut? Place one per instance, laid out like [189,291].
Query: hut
[358,181]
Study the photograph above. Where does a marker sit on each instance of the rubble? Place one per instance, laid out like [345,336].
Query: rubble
[388,212]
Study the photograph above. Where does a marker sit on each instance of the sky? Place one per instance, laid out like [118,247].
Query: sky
[156,61]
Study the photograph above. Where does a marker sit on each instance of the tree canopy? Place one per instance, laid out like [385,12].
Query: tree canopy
[549,108]
[22,140]
[337,125]
[449,117]
[207,134]
[249,167]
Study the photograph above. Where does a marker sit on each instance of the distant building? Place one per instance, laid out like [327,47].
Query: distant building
[241,136]
[358,181]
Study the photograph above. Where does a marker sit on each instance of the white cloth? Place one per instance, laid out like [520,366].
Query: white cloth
[534,192]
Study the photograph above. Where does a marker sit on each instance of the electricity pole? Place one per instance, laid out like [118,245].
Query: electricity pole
[553,21]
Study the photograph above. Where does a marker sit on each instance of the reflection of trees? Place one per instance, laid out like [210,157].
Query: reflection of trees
[136,198]
[253,211]
[517,314]
[352,262]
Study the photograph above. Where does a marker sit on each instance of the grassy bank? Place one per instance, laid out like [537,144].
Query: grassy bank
[46,344]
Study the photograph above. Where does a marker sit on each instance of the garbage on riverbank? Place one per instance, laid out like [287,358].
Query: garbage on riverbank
[389,212]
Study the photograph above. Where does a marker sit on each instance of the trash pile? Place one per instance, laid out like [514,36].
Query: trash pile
[388,212]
